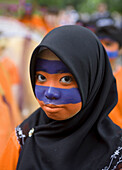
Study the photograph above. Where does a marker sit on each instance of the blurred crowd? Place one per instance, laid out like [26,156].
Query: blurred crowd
[20,34]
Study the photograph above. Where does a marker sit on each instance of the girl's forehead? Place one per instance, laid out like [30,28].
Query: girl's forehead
[48,62]
[48,55]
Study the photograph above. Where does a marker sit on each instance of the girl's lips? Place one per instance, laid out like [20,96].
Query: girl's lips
[52,108]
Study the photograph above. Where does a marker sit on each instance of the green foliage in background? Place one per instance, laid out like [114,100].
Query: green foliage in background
[9,1]
[84,5]
[114,5]
[80,5]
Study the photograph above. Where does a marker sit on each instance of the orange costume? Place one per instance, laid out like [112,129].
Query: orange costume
[12,70]
[116,113]
[33,21]
[37,22]
[9,113]
[10,156]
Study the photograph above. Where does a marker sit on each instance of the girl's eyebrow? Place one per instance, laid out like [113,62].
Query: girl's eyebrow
[62,71]
[58,71]
[42,69]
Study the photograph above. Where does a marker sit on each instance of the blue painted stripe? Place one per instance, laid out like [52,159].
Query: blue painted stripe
[112,54]
[51,66]
[64,96]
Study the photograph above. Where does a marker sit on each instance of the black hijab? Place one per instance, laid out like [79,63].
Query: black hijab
[89,139]
[111,32]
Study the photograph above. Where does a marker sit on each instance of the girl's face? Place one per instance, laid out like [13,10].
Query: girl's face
[56,89]
[112,47]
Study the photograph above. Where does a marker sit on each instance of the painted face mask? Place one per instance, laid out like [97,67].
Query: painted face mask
[111,47]
[56,89]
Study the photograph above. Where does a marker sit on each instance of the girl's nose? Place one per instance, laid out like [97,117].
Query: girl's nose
[52,93]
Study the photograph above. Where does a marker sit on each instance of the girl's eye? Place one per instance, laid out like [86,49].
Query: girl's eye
[108,43]
[41,78]
[66,79]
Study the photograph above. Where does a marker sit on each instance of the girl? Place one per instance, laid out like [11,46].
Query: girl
[73,82]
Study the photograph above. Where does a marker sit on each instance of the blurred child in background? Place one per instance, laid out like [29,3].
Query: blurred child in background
[10,115]
[111,38]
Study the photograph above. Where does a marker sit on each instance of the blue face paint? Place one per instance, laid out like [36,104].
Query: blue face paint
[112,54]
[51,66]
[57,96]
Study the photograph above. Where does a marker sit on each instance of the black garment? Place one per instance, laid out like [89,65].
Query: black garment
[88,140]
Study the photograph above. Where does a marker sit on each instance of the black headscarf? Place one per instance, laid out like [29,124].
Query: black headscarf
[111,32]
[87,140]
